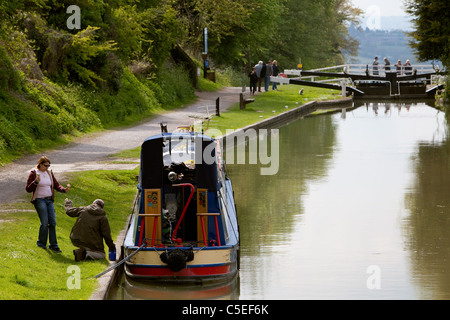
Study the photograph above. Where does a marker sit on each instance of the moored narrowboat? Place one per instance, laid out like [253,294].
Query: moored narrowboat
[185,227]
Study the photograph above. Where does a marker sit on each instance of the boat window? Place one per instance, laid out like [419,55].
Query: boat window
[179,150]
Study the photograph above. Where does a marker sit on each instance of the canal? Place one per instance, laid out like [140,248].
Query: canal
[359,209]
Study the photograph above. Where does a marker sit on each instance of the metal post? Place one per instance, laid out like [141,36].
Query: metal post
[218,107]
[344,88]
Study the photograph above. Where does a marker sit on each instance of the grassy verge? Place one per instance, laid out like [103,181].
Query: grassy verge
[30,273]
[267,105]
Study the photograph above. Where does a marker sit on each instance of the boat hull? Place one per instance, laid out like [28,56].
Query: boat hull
[209,264]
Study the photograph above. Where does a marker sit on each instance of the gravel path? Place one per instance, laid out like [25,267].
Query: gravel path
[90,151]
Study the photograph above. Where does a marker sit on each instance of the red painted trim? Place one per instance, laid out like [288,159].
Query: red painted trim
[186,272]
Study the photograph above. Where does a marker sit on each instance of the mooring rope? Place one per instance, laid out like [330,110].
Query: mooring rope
[144,243]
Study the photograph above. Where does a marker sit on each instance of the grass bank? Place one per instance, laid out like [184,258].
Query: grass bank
[30,273]
[267,105]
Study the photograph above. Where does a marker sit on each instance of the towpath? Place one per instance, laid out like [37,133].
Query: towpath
[91,151]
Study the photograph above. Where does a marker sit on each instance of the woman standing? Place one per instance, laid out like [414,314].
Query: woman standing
[42,183]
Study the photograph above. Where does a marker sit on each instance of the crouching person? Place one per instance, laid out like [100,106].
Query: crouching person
[90,229]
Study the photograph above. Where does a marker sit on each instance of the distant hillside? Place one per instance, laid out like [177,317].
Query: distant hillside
[392,44]
[396,23]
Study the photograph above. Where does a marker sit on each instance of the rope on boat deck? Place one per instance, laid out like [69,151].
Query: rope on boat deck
[144,243]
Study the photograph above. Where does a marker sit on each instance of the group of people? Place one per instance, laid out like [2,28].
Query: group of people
[91,226]
[262,72]
[402,69]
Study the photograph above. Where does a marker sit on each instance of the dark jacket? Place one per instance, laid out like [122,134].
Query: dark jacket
[31,186]
[275,70]
[91,227]
[253,77]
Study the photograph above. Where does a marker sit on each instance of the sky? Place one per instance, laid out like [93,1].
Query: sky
[383,14]
[385,7]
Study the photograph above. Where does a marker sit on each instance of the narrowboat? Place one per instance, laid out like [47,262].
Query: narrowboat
[185,227]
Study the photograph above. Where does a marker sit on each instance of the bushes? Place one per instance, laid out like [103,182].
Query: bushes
[13,140]
[175,84]
[10,78]
[45,111]
[56,82]
[132,101]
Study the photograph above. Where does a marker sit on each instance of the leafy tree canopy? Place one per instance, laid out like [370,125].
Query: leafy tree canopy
[143,32]
[431,38]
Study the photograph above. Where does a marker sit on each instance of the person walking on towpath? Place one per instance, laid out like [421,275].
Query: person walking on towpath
[267,76]
[253,80]
[260,69]
[90,229]
[275,72]
[42,184]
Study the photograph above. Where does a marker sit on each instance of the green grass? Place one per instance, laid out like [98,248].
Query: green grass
[267,105]
[131,154]
[30,273]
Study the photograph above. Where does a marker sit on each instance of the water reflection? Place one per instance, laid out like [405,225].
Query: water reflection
[141,290]
[269,206]
[337,207]
[426,228]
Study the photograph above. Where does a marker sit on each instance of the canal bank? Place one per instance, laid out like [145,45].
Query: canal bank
[109,281]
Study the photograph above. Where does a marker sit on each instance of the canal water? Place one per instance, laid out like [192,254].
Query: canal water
[359,209]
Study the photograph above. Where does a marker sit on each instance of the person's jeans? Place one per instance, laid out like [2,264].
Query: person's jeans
[47,229]
[266,83]
[274,86]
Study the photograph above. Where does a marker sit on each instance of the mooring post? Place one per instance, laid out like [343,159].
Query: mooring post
[218,107]
[241,101]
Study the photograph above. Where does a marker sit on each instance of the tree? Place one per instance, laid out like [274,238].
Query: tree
[316,31]
[222,18]
[431,39]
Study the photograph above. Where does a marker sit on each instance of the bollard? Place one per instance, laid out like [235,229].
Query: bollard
[218,107]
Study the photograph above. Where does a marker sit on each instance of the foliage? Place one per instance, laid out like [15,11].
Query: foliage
[316,32]
[68,56]
[238,32]
[248,31]
[431,39]
[9,76]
